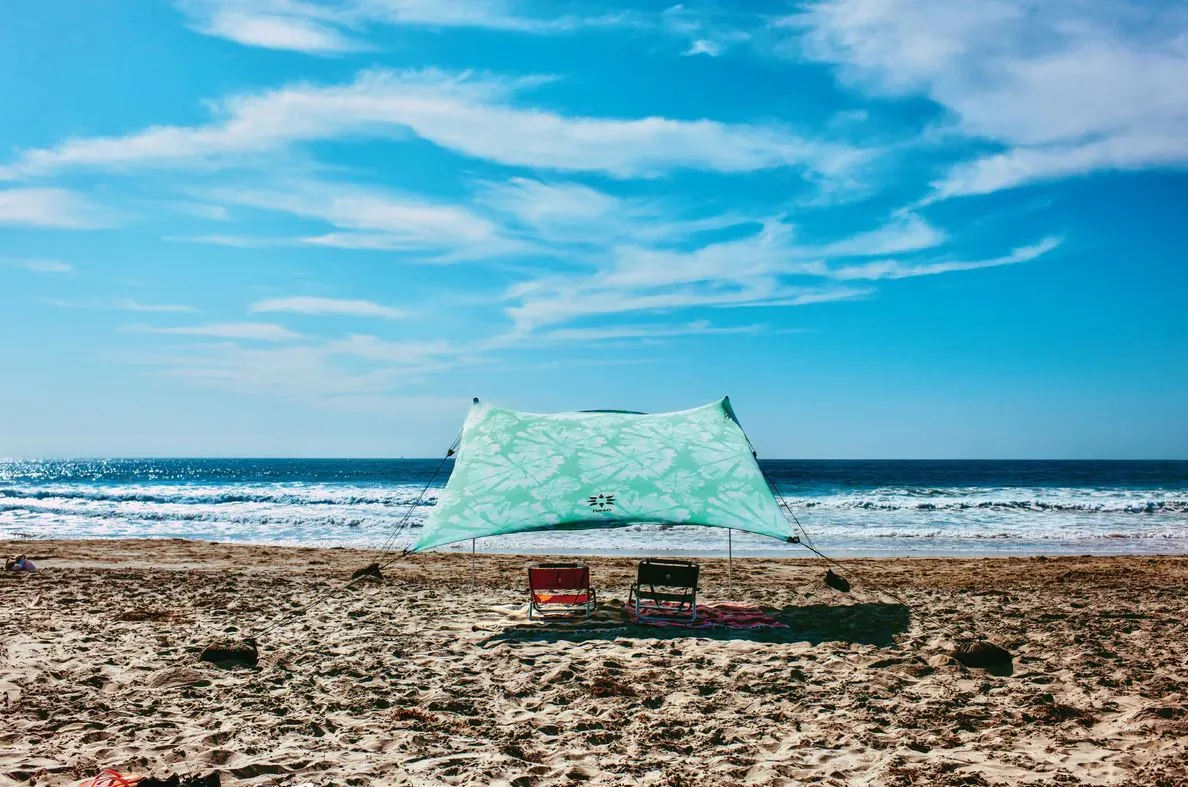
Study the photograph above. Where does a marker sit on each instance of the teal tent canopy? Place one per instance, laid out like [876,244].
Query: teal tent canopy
[519,472]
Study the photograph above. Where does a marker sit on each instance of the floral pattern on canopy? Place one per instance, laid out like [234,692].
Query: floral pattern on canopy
[519,472]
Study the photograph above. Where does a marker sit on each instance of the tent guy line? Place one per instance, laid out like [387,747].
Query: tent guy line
[389,544]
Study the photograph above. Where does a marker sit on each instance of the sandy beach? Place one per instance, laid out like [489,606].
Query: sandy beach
[432,677]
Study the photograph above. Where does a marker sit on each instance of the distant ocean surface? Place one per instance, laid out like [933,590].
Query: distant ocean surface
[847,507]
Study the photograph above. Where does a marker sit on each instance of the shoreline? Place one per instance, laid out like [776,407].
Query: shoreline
[839,553]
[787,552]
[113,546]
[437,676]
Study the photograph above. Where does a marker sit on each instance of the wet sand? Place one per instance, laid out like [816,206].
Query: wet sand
[432,677]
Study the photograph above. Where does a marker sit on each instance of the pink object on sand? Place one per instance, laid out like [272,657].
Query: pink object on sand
[21,564]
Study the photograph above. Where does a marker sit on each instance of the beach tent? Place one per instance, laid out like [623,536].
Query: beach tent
[519,472]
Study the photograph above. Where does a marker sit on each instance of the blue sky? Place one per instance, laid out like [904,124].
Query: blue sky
[319,227]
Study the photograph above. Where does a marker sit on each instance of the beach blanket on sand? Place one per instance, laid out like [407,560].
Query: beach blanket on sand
[732,616]
[110,777]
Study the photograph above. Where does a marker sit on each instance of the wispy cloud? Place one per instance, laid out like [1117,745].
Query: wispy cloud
[905,232]
[51,207]
[708,31]
[896,269]
[43,266]
[477,116]
[125,305]
[556,212]
[325,27]
[654,332]
[566,302]
[372,218]
[534,217]
[768,267]
[742,272]
[1065,88]
[555,209]
[202,210]
[298,26]
[305,304]
[1021,166]
[234,241]
[704,46]
[249,331]
[130,305]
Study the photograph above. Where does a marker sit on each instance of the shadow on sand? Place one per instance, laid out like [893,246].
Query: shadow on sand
[866,624]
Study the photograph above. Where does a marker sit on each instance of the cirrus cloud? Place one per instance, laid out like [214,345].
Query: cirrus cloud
[43,266]
[249,331]
[327,27]
[53,208]
[305,304]
[479,116]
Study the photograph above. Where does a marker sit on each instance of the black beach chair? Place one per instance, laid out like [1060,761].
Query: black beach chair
[665,590]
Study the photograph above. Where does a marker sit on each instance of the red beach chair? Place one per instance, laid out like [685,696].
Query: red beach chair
[563,587]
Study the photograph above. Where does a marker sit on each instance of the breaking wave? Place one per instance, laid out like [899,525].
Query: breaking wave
[1138,507]
[200,496]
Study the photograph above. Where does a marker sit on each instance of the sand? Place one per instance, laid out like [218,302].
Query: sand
[428,679]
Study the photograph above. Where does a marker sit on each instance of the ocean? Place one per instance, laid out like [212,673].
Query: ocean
[849,508]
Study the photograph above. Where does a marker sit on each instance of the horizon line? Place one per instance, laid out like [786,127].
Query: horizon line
[310,458]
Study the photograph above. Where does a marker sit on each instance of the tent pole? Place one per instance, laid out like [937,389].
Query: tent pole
[730,562]
[472,577]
